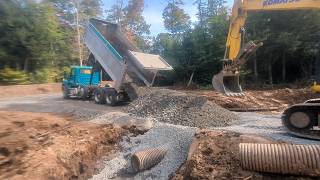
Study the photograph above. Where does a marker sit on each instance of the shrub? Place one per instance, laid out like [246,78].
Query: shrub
[46,75]
[10,76]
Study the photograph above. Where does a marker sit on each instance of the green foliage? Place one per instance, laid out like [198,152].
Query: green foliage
[116,13]
[176,20]
[131,20]
[291,43]
[46,75]
[37,38]
[197,50]
[134,20]
[10,77]
[32,37]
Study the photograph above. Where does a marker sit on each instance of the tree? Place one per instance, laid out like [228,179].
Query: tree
[286,42]
[116,13]
[202,11]
[209,8]
[176,21]
[196,54]
[131,20]
[134,20]
[32,37]
[216,7]
[75,14]
[85,8]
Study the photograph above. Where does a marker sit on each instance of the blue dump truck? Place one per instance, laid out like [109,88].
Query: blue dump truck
[113,54]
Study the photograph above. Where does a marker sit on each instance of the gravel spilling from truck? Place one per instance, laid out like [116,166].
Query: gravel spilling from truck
[179,108]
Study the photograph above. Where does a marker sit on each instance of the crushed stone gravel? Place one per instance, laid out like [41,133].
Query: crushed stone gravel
[179,108]
[176,139]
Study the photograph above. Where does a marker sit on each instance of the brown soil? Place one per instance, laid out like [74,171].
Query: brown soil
[276,100]
[214,155]
[33,89]
[46,146]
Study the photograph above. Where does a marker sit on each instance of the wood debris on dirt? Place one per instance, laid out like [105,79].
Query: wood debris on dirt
[265,100]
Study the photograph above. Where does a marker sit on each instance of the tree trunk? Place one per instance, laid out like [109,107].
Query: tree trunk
[190,80]
[25,65]
[17,66]
[270,73]
[255,68]
[284,67]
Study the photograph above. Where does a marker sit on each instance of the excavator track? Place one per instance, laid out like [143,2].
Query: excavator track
[303,119]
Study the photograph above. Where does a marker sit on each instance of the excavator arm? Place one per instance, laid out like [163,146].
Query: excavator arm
[236,54]
[239,16]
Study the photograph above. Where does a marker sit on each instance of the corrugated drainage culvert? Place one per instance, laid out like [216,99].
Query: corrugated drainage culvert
[281,158]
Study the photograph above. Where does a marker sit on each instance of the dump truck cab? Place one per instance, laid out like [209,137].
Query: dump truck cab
[80,81]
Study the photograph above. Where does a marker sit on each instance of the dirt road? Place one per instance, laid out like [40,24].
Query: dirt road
[32,89]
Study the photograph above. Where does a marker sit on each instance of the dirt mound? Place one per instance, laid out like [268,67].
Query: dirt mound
[32,89]
[277,99]
[215,155]
[179,108]
[45,146]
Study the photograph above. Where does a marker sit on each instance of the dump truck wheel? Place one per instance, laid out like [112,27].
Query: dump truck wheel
[65,93]
[99,96]
[83,92]
[111,98]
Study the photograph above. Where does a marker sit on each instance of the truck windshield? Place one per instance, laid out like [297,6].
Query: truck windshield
[85,71]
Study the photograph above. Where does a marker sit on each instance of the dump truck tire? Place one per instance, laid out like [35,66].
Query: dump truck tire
[83,92]
[99,96]
[65,93]
[110,97]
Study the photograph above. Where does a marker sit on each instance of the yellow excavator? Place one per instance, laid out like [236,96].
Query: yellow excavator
[236,54]
[300,119]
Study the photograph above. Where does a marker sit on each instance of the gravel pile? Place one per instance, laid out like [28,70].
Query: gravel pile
[176,139]
[179,108]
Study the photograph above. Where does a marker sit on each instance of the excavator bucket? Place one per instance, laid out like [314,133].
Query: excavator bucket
[227,83]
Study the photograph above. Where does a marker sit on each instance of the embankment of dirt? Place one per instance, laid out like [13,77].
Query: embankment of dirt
[46,146]
[32,89]
[215,155]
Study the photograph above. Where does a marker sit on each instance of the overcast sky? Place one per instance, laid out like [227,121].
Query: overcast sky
[153,12]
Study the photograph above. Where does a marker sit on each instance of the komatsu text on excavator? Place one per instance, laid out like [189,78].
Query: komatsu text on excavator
[301,119]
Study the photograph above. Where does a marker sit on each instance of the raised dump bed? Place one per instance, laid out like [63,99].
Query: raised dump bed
[118,57]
